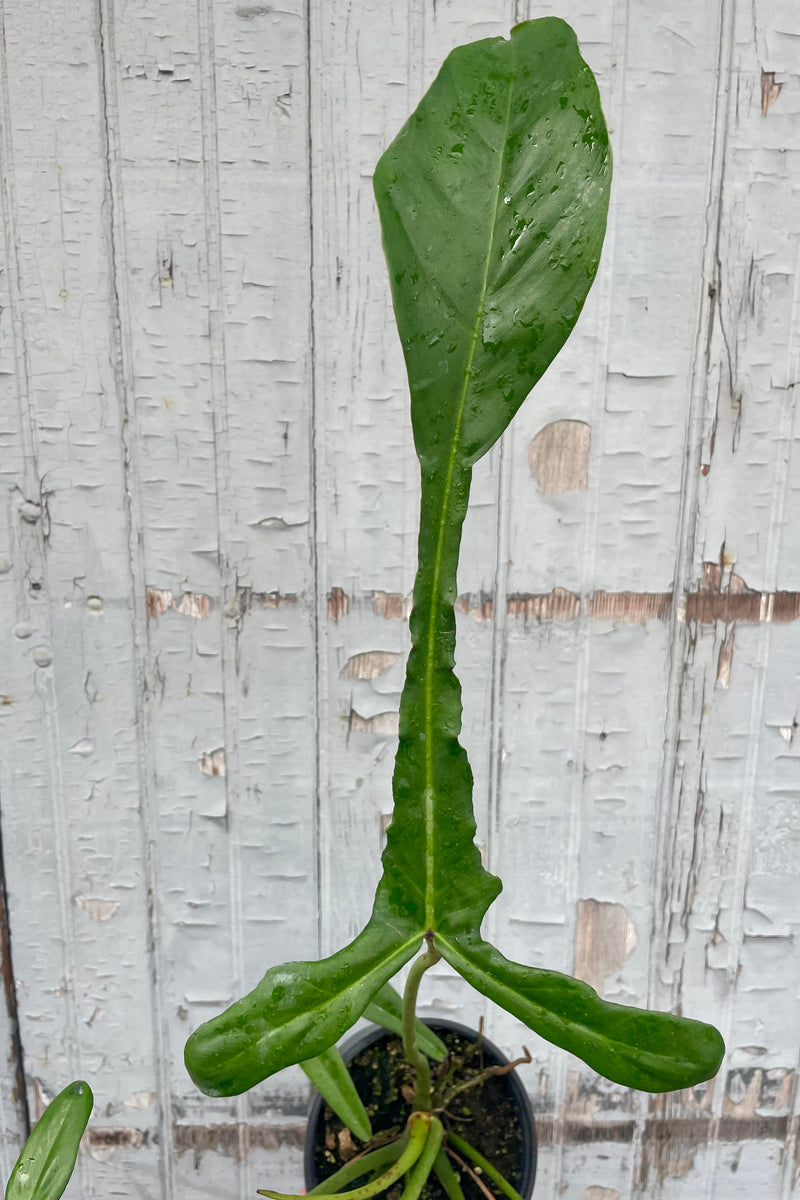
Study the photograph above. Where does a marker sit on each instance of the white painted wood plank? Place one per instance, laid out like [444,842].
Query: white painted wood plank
[70,767]
[157,87]
[224,415]
[183,652]
[13,1110]
[13,1114]
[365,481]
[725,778]
[263,436]
[604,738]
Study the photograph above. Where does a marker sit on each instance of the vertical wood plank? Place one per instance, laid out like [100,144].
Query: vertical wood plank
[624,374]
[725,929]
[225,419]
[14,1118]
[152,88]
[264,455]
[365,482]
[70,771]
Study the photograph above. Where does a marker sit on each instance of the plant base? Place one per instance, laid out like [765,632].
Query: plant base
[495,1116]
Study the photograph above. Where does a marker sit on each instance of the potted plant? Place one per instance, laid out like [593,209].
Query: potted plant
[493,201]
[473,1088]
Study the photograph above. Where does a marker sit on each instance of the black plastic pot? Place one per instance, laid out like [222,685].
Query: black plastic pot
[512,1085]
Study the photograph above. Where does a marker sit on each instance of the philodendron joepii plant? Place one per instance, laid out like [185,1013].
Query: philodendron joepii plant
[493,200]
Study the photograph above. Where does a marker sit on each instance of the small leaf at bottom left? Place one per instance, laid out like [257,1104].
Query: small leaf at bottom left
[47,1161]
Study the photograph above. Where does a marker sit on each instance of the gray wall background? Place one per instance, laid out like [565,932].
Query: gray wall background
[207,541]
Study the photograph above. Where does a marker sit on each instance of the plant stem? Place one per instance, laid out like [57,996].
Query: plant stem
[414,1056]
[486,1167]
[447,1176]
[417,1177]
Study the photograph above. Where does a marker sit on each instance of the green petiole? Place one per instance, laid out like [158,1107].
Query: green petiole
[486,1167]
[418,1175]
[447,1176]
[371,1161]
[410,1049]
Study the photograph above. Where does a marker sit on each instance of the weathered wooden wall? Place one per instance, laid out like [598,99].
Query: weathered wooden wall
[207,535]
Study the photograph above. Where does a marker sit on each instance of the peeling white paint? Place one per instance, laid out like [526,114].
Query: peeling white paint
[96,908]
[140,1100]
[369,664]
[558,457]
[383,723]
[213,762]
[173,579]
[605,937]
[84,748]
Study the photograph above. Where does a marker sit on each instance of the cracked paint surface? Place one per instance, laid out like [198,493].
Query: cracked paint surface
[207,540]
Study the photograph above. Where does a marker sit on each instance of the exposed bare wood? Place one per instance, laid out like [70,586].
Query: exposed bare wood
[605,937]
[369,664]
[190,604]
[383,723]
[213,762]
[770,91]
[725,659]
[392,605]
[706,605]
[558,457]
[338,604]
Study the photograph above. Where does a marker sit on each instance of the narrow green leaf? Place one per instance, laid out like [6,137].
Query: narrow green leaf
[386,1009]
[652,1051]
[296,1012]
[47,1161]
[329,1074]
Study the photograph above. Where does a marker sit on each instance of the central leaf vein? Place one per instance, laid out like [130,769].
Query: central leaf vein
[442,532]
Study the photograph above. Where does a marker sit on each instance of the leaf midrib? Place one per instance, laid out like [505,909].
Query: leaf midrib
[441,537]
[294,1024]
[547,1015]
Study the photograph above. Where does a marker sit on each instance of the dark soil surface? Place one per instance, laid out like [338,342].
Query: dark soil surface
[484,1115]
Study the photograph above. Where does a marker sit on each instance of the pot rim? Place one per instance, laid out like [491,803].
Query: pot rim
[364,1038]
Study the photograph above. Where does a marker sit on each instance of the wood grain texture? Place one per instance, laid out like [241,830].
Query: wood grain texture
[208,539]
